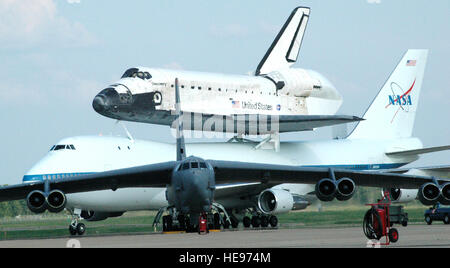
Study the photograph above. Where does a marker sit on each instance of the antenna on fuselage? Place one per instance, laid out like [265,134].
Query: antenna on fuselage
[181,148]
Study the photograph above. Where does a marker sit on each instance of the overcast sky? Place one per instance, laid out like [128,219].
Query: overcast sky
[55,56]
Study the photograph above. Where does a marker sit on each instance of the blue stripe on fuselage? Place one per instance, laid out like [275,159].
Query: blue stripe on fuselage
[30,178]
[51,177]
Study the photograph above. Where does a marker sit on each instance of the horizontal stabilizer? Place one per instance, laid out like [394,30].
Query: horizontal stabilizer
[419,151]
[436,171]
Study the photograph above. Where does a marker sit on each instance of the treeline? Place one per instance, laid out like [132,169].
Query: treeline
[14,208]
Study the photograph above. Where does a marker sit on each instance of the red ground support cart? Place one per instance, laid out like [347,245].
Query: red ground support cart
[380,218]
[203,224]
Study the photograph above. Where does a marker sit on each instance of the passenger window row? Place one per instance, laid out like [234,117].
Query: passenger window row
[60,176]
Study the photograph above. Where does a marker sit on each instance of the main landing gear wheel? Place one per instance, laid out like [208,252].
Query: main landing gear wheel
[78,229]
[246,222]
[273,220]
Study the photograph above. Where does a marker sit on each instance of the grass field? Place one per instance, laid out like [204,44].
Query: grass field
[51,226]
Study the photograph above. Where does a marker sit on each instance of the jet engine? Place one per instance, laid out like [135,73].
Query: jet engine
[99,216]
[345,189]
[275,201]
[327,189]
[36,202]
[429,194]
[56,201]
[444,198]
[402,195]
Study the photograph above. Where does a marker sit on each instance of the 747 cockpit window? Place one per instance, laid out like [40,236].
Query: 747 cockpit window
[134,72]
[62,147]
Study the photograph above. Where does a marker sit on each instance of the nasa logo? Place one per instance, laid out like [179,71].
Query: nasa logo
[399,97]
[278,107]
[400,100]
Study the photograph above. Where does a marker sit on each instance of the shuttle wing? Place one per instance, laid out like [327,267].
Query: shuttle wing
[258,124]
[285,48]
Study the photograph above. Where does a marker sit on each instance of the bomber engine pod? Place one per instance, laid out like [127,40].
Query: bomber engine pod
[56,201]
[345,189]
[36,202]
[401,195]
[326,190]
[429,194]
[444,198]
[275,201]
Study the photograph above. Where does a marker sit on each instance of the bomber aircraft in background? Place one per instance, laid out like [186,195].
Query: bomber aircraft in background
[296,99]
[99,177]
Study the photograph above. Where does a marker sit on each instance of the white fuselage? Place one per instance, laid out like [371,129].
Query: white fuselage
[305,92]
[96,154]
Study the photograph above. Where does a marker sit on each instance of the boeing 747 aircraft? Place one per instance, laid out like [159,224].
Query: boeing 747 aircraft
[294,99]
[99,177]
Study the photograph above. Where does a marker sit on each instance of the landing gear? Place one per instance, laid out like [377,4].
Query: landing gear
[260,221]
[176,221]
[253,218]
[76,227]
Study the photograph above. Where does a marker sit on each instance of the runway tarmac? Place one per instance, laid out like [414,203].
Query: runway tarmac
[411,236]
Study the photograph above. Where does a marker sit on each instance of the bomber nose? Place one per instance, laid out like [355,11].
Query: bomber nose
[99,103]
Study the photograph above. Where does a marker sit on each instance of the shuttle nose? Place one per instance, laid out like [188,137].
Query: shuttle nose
[105,100]
[99,104]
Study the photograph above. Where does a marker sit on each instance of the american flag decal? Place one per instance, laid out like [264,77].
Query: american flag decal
[236,104]
[411,63]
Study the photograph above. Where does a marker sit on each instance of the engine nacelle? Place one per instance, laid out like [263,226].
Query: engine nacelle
[294,81]
[275,201]
[402,195]
[56,201]
[345,189]
[326,190]
[429,194]
[444,198]
[99,216]
[37,202]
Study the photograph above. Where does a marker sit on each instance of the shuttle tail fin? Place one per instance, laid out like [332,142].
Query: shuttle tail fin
[285,48]
[391,115]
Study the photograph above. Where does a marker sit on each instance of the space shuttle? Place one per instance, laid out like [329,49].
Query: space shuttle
[278,96]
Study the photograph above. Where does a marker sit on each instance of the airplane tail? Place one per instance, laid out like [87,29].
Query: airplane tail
[392,113]
[285,48]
